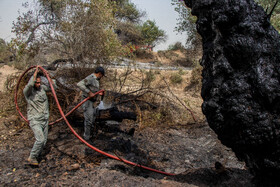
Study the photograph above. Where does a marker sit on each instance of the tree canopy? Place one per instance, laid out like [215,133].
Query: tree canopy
[5,54]
[186,24]
[152,34]
[80,29]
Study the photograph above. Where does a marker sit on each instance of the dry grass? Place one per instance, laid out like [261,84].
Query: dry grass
[168,103]
[157,101]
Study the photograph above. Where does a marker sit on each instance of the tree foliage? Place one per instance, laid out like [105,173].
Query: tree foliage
[5,54]
[128,17]
[130,29]
[78,29]
[186,24]
[129,33]
[81,30]
[152,34]
[126,11]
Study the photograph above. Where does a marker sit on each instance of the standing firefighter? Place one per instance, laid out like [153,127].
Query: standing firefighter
[89,86]
[37,113]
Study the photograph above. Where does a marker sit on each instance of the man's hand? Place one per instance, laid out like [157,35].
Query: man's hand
[102,93]
[35,74]
[90,94]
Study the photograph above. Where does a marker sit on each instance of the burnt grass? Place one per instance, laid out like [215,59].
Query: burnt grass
[191,151]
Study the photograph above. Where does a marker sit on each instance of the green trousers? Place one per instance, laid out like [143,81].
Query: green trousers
[89,115]
[40,129]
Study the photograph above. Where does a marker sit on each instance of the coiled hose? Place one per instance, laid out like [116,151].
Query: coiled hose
[71,128]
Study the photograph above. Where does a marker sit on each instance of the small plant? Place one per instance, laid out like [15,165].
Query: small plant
[181,72]
[158,64]
[150,77]
[176,78]
[196,77]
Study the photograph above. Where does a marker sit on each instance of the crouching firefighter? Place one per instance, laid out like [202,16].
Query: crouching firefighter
[37,113]
[89,86]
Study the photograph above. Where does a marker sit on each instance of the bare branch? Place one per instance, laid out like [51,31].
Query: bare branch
[179,100]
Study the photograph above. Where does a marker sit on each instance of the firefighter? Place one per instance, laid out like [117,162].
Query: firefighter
[37,113]
[89,86]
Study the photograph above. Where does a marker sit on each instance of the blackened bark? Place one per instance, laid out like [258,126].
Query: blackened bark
[114,114]
[241,90]
[103,115]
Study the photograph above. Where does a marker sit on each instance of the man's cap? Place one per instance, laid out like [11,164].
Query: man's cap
[101,70]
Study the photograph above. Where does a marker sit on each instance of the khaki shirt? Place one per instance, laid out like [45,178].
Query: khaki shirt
[37,100]
[89,84]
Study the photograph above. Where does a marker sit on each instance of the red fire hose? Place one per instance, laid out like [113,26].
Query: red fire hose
[71,128]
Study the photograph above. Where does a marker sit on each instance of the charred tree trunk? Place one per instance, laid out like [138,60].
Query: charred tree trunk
[241,81]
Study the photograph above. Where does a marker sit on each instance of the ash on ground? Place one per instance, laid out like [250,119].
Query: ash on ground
[191,151]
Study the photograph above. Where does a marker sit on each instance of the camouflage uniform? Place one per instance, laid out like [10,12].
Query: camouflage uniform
[37,114]
[89,84]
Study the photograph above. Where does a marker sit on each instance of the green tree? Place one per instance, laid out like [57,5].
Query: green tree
[268,6]
[129,33]
[127,19]
[126,11]
[151,33]
[186,24]
[5,53]
[82,30]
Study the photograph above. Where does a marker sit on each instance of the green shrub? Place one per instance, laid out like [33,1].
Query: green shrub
[150,77]
[181,72]
[196,77]
[176,78]
[176,46]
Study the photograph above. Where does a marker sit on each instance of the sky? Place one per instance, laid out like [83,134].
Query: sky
[163,13]
[160,11]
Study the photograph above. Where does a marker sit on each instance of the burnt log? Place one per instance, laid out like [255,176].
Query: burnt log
[241,81]
[112,114]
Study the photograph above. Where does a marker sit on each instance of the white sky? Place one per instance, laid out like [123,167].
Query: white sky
[160,11]
[165,16]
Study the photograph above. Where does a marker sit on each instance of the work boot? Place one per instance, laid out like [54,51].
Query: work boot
[33,161]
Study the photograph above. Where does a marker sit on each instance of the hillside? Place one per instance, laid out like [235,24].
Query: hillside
[179,57]
[191,150]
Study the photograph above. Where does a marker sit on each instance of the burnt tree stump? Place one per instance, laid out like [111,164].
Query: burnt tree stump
[115,115]
[241,89]
[112,113]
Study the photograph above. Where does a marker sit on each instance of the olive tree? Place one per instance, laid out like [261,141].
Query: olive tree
[186,24]
[152,34]
[80,30]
